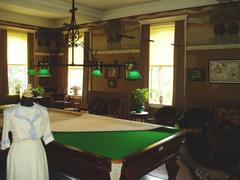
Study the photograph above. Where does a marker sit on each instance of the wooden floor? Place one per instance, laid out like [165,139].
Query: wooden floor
[183,174]
[161,174]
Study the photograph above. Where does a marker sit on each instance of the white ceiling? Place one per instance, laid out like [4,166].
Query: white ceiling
[53,13]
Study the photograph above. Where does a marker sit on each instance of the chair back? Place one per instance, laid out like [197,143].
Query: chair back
[166,115]
[197,144]
[115,107]
[58,101]
[98,106]
[196,118]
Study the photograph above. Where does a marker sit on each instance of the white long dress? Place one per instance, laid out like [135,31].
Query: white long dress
[26,158]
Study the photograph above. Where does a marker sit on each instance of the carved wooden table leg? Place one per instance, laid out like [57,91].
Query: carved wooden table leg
[172,167]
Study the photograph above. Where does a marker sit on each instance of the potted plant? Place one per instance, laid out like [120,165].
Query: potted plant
[140,97]
[38,91]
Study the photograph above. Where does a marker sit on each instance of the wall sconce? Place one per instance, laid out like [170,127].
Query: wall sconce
[134,75]
[131,73]
[31,71]
[44,70]
[97,70]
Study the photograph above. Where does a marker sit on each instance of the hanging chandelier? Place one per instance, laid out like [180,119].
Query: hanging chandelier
[73,34]
[72,37]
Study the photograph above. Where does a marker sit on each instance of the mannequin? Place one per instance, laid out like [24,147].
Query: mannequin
[27,97]
[29,123]
[26,101]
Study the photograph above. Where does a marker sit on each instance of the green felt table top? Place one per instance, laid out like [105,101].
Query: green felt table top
[113,144]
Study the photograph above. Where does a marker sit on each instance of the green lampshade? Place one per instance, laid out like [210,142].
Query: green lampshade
[134,75]
[31,72]
[96,73]
[43,72]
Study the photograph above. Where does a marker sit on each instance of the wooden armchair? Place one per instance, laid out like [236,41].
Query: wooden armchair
[166,115]
[58,101]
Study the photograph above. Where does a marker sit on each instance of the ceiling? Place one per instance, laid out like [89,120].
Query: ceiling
[54,13]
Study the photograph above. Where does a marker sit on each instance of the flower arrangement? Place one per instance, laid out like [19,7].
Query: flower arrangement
[140,97]
[75,89]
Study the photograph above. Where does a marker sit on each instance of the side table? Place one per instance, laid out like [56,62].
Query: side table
[142,116]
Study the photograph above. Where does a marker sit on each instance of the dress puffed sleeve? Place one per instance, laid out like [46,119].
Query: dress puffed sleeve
[5,142]
[47,133]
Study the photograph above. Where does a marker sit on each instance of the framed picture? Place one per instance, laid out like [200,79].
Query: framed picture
[112,72]
[224,71]
[112,83]
[128,67]
[195,74]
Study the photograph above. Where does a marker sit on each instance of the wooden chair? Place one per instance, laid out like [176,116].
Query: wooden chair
[58,101]
[226,136]
[198,143]
[166,115]
[115,107]
[74,103]
[98,106]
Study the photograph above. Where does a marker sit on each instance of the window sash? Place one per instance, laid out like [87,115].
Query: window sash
[75,73]
[161,64]
[17,60]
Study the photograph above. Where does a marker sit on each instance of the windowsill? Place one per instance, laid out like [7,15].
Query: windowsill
[156,105]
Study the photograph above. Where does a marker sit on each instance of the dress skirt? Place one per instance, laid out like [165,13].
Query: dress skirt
[27,161]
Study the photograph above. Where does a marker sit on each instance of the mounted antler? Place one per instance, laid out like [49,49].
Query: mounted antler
[114,35]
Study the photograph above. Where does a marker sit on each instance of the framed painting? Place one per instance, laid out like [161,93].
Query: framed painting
[112,72]
[195,74]
[224,71]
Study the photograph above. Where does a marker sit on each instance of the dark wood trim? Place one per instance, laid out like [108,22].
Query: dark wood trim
[18,25]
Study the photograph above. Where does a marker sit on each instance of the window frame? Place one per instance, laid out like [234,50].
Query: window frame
[79,68]
[11,33]
[170,23]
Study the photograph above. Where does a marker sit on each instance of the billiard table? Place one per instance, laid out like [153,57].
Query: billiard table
[103,151]
[95,147]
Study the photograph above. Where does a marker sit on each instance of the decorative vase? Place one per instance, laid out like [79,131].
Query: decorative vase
[139,108]
[76,92]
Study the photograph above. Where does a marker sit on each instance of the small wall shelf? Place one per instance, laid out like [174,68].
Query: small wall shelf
[118,51]
[212,47]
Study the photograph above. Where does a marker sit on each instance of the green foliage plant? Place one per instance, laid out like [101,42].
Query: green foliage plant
[140,96]
[39,91]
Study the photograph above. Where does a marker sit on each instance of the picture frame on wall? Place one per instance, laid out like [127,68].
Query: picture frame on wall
[224,71]
[112,83]
[196,75]
[112,72]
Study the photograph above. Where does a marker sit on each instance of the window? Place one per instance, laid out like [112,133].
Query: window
[75,73]
[161,64]
[17,62]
